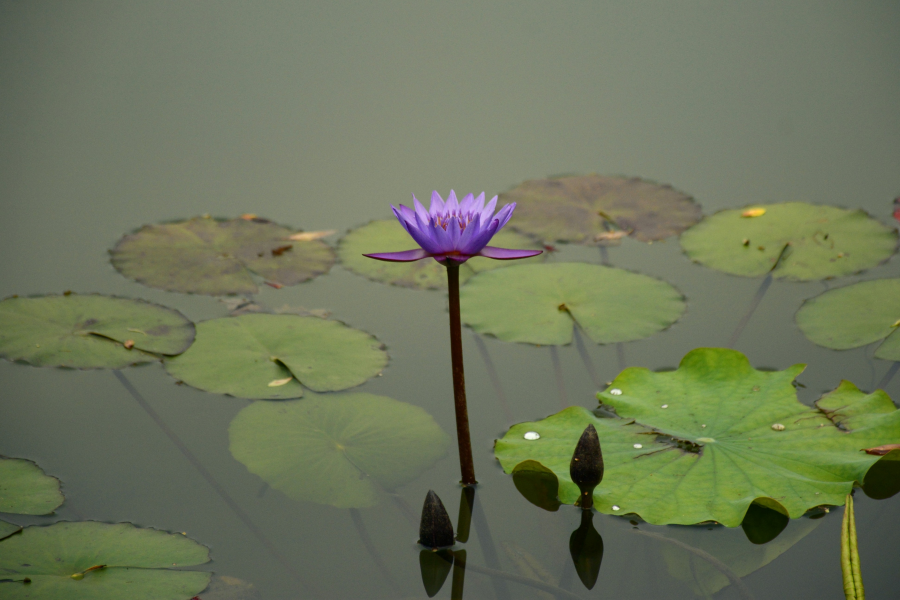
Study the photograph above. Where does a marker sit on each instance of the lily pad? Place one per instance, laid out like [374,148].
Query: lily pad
[389,236]
[703,442]
[208,256]
[821,241]
[269,356]
[7,529]
[337,449]
[99,561]
[854,316]
[541,304]
[586,208]
[90,332]
[26,490]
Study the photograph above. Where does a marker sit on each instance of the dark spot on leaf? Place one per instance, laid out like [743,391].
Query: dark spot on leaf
[281,249]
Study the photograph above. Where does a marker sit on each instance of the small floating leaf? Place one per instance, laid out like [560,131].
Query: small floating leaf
[678,478]
[853,316]
[389,236]
[25,489]
[825,241]
[63,560]
[541,304]
[339,449]
[269,356]
[208,256]
[90,332]
[587,209]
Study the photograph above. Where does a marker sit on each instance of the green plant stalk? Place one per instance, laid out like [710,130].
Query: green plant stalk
[853,585]
[464,441]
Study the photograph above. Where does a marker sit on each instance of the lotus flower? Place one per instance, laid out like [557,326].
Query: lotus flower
[452,232]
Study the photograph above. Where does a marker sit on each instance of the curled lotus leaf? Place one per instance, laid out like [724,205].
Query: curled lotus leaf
[100,561]
[855,315]
[542,304]
[794,240]
[214,257]
[90,331]
[265,356]
[26,490]
[596,209]
[704,441]
[389,236]
[339,449]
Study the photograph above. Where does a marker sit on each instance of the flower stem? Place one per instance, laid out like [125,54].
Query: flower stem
[459,380]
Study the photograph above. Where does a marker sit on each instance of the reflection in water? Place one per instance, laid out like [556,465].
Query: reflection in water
[435,566]
[537,484]
[883,478]
[762,524]
[586,547]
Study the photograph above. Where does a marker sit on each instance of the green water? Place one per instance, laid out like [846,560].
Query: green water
[319,116]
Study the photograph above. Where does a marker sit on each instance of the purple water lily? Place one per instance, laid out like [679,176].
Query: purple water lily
[452,232]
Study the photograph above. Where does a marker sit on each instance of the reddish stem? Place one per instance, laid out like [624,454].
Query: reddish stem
[466,464]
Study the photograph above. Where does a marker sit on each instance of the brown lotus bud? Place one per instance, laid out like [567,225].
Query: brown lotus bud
[586,468]
[435,529]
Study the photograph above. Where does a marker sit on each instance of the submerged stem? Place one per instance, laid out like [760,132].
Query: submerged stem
[466,464]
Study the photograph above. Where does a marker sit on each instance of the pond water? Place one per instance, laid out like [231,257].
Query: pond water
[319,116]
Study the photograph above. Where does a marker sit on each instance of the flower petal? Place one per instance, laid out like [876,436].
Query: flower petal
[472,230]
[405,215]
[407,256]
[478,205]
[451,206]
[488,211]
[424,234]
[507,253]
[480,238]
[504,215]
[453,233]
[465,205]
[437,204]
[420,210]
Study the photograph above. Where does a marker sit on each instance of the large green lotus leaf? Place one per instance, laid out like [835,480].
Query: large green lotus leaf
[389,236]
[208,256]
[26,490]
[825,241]
[136,563]
[270,356]
[337,449]
[714,436]
[90,332]
[577,209]
[854,316]
[540,304]
[728,546]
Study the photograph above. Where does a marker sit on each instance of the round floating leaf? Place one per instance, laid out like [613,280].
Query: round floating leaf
[588,208]
[90,332]
[703,442]
[99,561]
[854,316]
[339,449]
[540,304]
[26,490]
[812,241]
[207,256]
[389,236]
[270,356]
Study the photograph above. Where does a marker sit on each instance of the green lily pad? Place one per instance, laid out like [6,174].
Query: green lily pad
[703,442]
[824,241]
[99,561]
[389,236]
[586,208]
[854,316]
[90,332]
[7,529]
[540,304]
[208,256]
[337,449]
[26,490]
[269,356]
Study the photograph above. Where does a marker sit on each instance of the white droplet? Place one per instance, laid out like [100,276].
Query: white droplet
[615,392]
[532,435]
[778,427]
[665,406]
[638,446]
[703,426]
[615,507]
